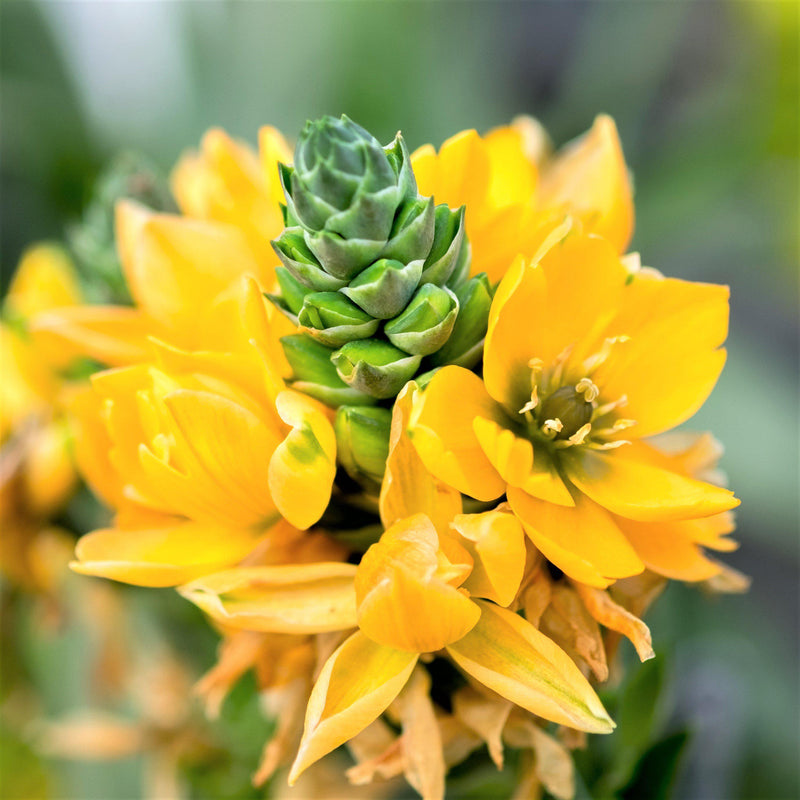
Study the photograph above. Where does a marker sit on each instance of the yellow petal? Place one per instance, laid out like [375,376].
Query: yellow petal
[589,179]
[671,363]
[424,765]
[582,541]
[164,556]
[303,466]
[408,488]
[175,265]
[669,548]
[513,174]
[292,598]
[405,599]
[563,297]
[272,149]
[231,446]
[44,279]
[638,490]
[508,655]
[611,615]
[356,685]
[513,458]
[496,542]
[113,335]
[441,430]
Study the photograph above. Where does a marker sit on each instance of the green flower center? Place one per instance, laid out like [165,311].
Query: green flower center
[569,407]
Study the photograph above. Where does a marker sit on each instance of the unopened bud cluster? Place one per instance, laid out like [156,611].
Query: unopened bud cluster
[375,276]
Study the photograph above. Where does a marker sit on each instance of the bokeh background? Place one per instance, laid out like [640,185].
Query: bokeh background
[705,95]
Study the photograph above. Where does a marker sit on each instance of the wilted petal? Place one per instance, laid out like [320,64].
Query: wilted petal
[614,616]
[422,742]
[356,685]
[486,715]
[507,654]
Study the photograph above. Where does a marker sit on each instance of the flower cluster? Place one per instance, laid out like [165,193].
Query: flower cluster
[401,426]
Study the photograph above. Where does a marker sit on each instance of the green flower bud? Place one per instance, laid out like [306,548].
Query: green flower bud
[292,294]
[333,320]
[384,289]
[375,367]
[362,440]
[315,374]
[448,240]
[427,321]
[412,232]
[293,251]
[465,345]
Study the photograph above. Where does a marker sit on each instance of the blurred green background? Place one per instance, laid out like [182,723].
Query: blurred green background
[705,95]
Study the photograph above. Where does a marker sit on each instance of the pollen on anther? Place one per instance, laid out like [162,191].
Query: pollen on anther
[589,391]
[552,427]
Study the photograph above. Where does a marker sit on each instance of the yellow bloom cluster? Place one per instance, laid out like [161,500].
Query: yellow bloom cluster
[526,502]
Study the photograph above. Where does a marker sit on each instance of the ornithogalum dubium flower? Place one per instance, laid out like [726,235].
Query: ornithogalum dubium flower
[401,424]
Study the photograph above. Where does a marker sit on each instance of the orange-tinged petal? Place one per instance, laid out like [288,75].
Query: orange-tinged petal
[496,542]
[356,685]
[669,548]
[638,490]
[588,178]
[582,541]
[612,615]
[671,362]
[303,466]
[416,616]
[113,335]
[441,430]
[165,556]
[507,654]
[44,279]
[292,598]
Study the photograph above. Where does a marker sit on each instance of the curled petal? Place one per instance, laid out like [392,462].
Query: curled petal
[614,616]
[356,685]
[303,466]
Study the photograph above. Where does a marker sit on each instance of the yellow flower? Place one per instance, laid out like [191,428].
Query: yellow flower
[584,357]
[200,452]
[177,266]
[512,187]
[38,473]
[419,592]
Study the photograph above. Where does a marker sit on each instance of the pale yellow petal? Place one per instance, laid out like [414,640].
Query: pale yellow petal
[164,556]
[509,656]
[292,598]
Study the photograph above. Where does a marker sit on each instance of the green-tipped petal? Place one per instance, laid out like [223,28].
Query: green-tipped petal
[412,232]
[384,288]
[375,367]
[465,345]
[333,320]
[447,245]
[296,256]
[427,321]
[362,440]
[315,374]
